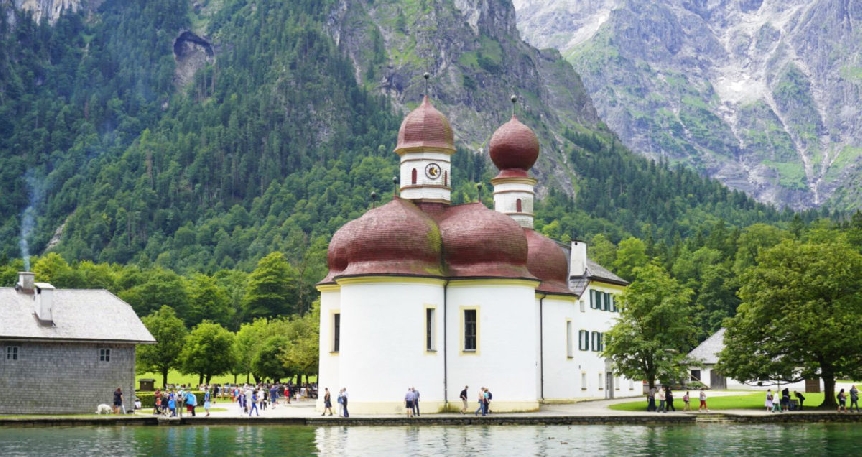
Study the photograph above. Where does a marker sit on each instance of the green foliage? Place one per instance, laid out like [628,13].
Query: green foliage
[799,313]
[654,333]
[170,334]
[208,351]
[271,288]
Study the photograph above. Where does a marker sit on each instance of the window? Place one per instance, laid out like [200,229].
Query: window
[597,342]
[413,176]
[336,332]
[583,381]
[470,330]
[430,330]
[601,382]
[581,302]
[104,355]
[518,205]
[594,299]
[605,301]
[583,340]
[11,352]
[569,342]
[612,306]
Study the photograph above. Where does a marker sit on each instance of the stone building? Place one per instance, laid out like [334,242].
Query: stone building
[65,351]
[426,294]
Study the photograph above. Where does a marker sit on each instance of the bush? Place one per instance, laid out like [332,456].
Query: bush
[148,399]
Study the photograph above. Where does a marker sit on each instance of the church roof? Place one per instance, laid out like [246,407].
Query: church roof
[425,127]
[514,148]
[594,273]
[547,261]
[78,315]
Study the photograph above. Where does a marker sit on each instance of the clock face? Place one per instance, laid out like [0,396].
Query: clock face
[432,171]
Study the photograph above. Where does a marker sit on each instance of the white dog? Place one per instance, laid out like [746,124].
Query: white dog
[104,409]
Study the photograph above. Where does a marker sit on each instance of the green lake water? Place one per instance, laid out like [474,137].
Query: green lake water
[520,441]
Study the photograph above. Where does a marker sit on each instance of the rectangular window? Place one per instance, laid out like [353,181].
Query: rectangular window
[581,301]
[470,330]
[583,340]
[583,381]
[11,352]
[104,355]
[606,305]
[601,382]
[597,342]
[569,342]
[612,306]
[594,300]
[336,332]
[430,330]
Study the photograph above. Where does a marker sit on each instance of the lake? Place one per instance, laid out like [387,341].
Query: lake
[715,439]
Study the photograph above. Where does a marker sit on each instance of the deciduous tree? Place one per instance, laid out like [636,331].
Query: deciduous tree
[170,334]
[209,351]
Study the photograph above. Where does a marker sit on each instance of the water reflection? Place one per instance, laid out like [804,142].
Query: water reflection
[260,441]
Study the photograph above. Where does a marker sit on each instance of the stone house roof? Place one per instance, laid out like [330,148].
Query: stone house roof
[707,352]
[78,315]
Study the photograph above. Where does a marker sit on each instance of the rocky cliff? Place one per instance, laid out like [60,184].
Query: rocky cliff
[50,10]
[476,59]
[763,95]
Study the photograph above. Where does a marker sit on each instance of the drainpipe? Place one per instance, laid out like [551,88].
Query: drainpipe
[542,348]
[445,347]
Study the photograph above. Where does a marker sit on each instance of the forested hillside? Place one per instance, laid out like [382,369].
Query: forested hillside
[199,189]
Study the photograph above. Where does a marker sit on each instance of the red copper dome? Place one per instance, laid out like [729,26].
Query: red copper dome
[514,146]
[479,242]
[425,127]
[336,255]
[547,261]
[394,239]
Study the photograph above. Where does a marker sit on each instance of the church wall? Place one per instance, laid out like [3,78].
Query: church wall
[327,374]
[561,369]
[383,344]
[505,359]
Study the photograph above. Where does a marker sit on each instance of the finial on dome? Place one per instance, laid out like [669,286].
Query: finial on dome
[514,99]
[479,187]
[374,198]
[426,76]
[395,185]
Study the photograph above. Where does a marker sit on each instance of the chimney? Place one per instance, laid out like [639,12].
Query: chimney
[25,282]
[44,301]
[578,266]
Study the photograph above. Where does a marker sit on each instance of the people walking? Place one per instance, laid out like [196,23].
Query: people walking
[661,401]
[687,400]
[854,398]
[481,408]
[651,399]
[785,400]
[769,400]
[344,404]
[415,401]
[464,399]
[842,401]
[327,402]
[118,400]
[340,402]
[702,406]
[207,402]
[191,402]
[253,404]
[409,398]
[669,397]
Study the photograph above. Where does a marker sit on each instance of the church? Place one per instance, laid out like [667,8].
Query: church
[422,293]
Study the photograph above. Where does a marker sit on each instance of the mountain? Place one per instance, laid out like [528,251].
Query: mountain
[204,135]
[762,95]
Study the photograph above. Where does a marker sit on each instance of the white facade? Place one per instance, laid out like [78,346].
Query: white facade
[426,175]
[514,197]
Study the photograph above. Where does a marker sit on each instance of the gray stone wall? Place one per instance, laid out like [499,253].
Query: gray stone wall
[63,378]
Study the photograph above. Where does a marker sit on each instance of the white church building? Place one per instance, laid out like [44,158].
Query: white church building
[422,293]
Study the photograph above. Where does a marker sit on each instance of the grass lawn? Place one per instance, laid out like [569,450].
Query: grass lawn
[743,400]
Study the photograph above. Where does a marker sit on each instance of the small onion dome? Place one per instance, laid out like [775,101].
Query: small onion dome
[514,147]
[479,242]
[425,127]
[547,261]
[394,239]
[336,255]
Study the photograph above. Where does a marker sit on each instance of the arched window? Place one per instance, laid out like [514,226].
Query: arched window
[518,204]
[414,176]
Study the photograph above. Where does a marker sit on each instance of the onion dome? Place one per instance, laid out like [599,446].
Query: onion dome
[425,127]
[514,147]
[479,242]
[336,255]
[547,261]
[394,239]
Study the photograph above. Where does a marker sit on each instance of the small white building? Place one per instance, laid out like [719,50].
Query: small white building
[424,294]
